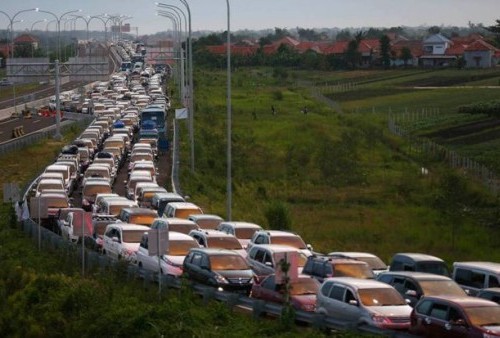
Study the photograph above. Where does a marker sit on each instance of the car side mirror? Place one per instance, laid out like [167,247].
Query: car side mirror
[353,302]
[411,293]
[270,264]
[309,247]
[458,322]
[115,239]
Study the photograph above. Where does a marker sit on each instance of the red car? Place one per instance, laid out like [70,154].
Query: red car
[302,293]
[455,317]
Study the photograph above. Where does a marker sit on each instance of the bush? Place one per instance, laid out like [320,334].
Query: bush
[278,216]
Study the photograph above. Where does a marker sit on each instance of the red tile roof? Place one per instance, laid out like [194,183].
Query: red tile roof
[26,38]
[480,45]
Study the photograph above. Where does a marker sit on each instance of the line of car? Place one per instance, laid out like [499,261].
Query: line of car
[415,292]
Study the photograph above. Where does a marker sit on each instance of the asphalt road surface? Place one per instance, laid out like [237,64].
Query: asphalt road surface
[29,125]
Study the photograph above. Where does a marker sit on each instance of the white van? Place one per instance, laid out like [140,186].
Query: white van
[474,276]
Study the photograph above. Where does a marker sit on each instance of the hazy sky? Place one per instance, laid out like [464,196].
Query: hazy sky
[262,14]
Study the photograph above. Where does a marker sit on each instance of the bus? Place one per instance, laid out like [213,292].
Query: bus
[154,117]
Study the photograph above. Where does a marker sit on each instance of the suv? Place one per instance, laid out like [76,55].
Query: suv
[223,269]
[363,302]
[136,215]
[206,221]
[242,230]
[414,285]
[474,276]
[263,258]
[322,267]
[374,262]
[280,237]
[455,317]
[217,239]
[175,224]
[171,261]
[121,240]
[418,262]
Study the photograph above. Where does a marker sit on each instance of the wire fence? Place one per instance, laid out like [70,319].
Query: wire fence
[420,147]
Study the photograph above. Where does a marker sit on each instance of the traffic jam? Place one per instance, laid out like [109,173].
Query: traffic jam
[105,189]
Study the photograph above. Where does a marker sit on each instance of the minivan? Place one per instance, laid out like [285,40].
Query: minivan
[474,276]
[418,262]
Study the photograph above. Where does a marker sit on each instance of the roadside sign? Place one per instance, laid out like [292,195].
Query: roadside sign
[38,207]
[157,241]
[290,258]
[11,192]
[82,223]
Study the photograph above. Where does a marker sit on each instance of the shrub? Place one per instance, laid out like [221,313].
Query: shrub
[278,216]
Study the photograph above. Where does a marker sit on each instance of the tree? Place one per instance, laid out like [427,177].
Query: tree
[352,54]
[308,34]
[344,35]
[434,30]
[385,51]
[406,55]
[495,29]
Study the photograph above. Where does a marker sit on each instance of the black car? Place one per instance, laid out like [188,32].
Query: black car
[224,269]
[414,285]
[322,267]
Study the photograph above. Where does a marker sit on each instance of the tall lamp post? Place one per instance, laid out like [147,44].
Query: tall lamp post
[177,10]
[229,115]
[58,135]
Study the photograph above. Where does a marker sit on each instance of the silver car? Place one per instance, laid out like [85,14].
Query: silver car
[363,302]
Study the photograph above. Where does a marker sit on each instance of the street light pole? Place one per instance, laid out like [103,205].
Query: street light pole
[191,89]
[229,116]
[58,135]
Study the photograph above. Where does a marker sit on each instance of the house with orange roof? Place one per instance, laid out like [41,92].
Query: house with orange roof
[481,54]
[415,48]
[27,39]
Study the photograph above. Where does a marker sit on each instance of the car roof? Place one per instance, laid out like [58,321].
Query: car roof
[180,205]
[136,210]
[416,275]
[278,233]
[465,301]
[275,247]
[217,251]
[338,260]
[358,283]
[204,216]
[352,253]
[241,224]
[418,256]
[483,265]
[176,220]
[129,226]
[211,233]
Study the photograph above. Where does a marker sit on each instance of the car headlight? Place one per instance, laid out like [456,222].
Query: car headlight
[221,279]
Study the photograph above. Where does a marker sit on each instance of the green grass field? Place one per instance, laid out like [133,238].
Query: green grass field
[344,177]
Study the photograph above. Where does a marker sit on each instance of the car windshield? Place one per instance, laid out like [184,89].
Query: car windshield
[304,286]
[142,219]
[183,228]
[228,262]
[441,287]
[293,241]
[208,223]
[374,263]
[132,236]
[230,243]
[244,233]
[437,268]
[180,247]
[184,213]
[380,297]
[93,190]
[353,270]
[55,202]
[484,315]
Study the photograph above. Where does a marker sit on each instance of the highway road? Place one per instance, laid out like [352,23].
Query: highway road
[29,125]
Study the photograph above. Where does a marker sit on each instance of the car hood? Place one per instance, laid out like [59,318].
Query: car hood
[391,311]
[131,246]
[492,328]
[177,260]
[245,274]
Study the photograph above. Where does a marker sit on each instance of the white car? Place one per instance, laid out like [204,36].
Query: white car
[121,240]
[363,302]
[179,245]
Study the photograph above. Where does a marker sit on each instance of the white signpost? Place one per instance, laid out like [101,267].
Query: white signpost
[158,246]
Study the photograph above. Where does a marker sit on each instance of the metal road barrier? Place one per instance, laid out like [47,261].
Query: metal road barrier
[18,132]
